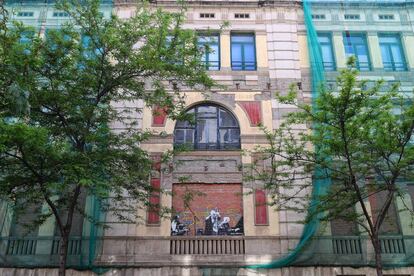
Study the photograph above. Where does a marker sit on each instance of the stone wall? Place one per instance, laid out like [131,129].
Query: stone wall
[196,271]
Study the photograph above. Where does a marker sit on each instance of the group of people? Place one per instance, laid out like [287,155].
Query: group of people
[214,225]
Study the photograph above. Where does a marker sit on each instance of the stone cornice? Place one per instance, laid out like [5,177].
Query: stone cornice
[216,3]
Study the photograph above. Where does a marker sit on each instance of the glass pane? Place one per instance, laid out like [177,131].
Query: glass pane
[189,136]
[362,53]
[242,38]
[386,58]
[26,37]
[214,53]
[349,50]
[179,136]
[184,124]
[184,136]
[209,39]
[388,39]
[236,55]
[397,53]
[229,136]
[207,132]
[357,39]
[249,55]
[326,53]
[226,119]
[189,121]
[323,39]
[206,112]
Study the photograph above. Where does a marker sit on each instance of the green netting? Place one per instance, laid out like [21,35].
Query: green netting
[314,248]
[320,184]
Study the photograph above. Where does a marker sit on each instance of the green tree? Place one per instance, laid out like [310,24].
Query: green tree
[60,145]
[357,138]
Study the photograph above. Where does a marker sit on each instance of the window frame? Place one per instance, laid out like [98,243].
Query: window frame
[352,16]
[207,55]
[393,67]
[333,67]
[25,14]
[243,61]
[219,145]
[346,37]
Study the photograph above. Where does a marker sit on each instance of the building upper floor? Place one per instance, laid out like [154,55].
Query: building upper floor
[379,33]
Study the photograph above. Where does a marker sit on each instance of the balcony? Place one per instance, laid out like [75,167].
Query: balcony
[395,66]
[329,66]
[243,65]
[208,245]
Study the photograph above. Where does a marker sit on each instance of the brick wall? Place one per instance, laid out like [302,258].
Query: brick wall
[205,197]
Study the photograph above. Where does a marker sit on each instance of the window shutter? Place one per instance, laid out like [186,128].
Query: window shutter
[261,217]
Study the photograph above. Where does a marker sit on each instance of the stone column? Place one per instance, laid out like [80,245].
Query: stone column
[374,50]
[339,49]
[407,41]
[261,50]
[225,56]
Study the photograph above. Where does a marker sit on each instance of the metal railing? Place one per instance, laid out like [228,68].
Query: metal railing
[347,245]
[329,66]
[21,246]
[212,65]
[392,245]
[243,65]
[395,66]
[74,246]
[28,245]
[221,245]
[363,66]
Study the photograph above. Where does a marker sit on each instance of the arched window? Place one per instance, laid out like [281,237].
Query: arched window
[211,127]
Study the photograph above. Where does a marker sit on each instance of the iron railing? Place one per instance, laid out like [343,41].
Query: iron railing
[221,245]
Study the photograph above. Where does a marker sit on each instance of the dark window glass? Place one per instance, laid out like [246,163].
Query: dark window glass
[386,17]
[344,227]
[356,45]
[392,52]
[212,128]
[318,16]
[243,52]
[352,17]
[390,225]
[326,50]
[25,14]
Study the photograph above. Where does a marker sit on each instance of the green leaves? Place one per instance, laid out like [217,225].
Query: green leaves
[358,136]
[62,93]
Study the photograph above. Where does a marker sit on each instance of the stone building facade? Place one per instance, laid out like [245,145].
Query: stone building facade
[273,39]
[263,50]
[380,35]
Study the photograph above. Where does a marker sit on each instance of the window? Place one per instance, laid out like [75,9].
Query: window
[325,46]
[243,52]
[211,128]
[60,14]
[390,225]
[210,45]
[26,37]
[207,15]
[352,17]
[356,45]
[318,16]
[386,17]
[392,53]
[25,14]
[241,15]
[261,216]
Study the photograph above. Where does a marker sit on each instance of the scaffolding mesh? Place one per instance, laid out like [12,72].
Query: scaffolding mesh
[354,23]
